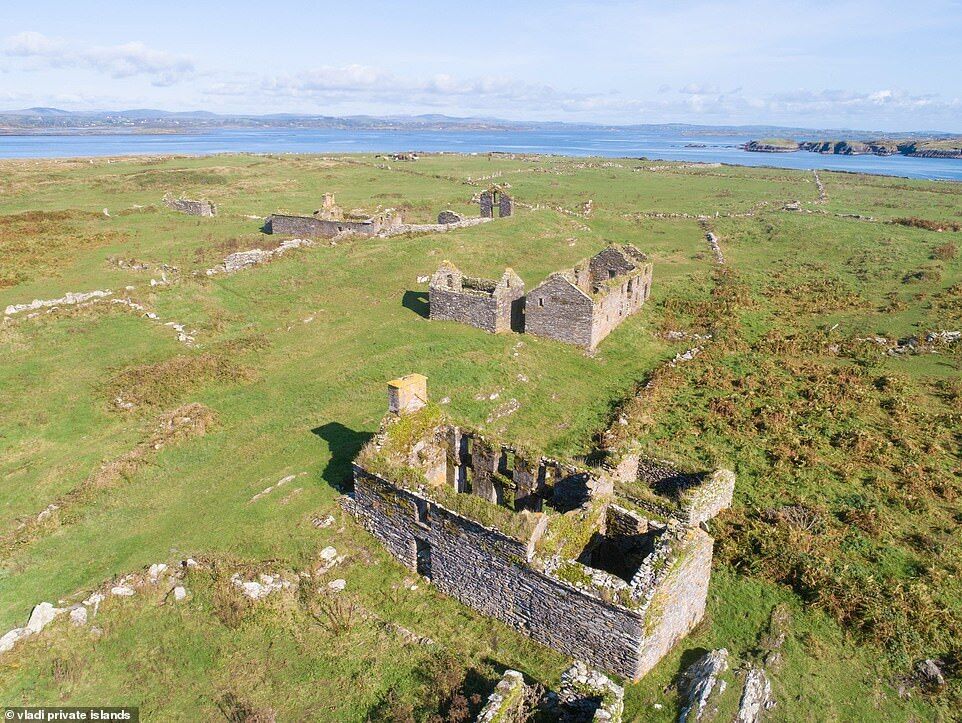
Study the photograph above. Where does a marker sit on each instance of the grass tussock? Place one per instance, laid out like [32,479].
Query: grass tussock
[35,243]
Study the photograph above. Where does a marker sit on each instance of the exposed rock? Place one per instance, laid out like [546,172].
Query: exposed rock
[78,616]
[122,591]
[337,585]
[180,592]
[930,674]
[11,638]
[155,571]
[756,696]
[322,522]
[699,681]
[260,588]
[41,616]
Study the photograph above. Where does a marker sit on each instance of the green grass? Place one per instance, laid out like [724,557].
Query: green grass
[294,356]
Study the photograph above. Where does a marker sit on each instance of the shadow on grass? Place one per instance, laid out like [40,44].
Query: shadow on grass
[344,444]
[416,301]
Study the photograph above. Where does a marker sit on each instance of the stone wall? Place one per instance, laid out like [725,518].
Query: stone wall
[191,208]
[621,301]
[447,217]
[558,310]
[313,227]
[678,602]
[494,306]
[480,310]
[487,571]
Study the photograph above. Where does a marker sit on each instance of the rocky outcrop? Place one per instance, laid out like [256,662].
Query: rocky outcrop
[698,683]
[771,146]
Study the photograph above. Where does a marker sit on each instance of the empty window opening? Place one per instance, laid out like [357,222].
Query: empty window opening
[541,301]
[612,273]
[422,551]
[450,281]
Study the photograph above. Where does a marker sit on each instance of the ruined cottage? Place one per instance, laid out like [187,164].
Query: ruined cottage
[329,221]
[496,197]
[491,305]
[547,547]
[582,305]
[190,207]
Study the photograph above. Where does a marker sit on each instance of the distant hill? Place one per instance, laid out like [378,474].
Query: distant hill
[40,120]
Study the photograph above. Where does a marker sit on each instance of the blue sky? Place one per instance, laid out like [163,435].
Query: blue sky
[854,64]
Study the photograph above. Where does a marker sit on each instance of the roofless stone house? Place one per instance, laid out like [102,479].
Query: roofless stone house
[547,547]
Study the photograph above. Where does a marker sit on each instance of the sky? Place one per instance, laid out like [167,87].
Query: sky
[886,66]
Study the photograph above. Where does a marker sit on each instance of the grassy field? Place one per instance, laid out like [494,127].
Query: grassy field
[847,508]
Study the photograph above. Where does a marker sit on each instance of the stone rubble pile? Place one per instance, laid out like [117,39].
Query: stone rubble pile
[245,259]
[260,588]
[589,695]
[68,299]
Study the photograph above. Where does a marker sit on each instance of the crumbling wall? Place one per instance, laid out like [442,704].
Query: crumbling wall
[557,310]
[487,204]
[313,227]
[505,205]
[487,571]
[191,208]
[447,217]
[617,301]
[678,602]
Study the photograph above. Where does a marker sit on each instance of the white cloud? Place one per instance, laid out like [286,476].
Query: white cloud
[39,51]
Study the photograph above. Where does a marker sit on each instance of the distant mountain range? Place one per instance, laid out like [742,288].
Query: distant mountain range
[149,120]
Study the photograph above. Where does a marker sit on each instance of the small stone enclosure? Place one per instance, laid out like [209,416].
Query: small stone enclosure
[503,530]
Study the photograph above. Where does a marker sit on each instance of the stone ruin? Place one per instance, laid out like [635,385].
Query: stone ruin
[583,305]
[495,196]
[580,306]
[504,531]
[584,696]
[491,305]
[449,216]
[191,208]
[330,221]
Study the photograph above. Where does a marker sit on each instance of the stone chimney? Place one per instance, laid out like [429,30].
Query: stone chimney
[407,394]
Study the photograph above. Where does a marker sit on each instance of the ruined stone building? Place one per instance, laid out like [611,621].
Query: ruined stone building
[330,220]
[491,305]
[191,208]
[611,577]
[495,196]
[582,305]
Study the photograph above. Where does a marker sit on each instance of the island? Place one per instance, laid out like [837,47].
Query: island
[915,147]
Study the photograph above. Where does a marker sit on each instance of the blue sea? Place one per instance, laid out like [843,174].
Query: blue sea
[653,144]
